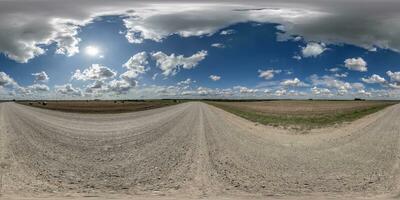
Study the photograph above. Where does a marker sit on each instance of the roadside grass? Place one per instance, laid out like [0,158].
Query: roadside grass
[302,122]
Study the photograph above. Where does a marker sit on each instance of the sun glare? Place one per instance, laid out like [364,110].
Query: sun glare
[92,50]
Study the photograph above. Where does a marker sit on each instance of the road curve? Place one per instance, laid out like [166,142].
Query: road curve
[193,150]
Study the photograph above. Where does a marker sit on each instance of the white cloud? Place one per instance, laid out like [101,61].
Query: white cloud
[120,86]
[14,88]
[215,77]
[218,45]
[6,80]
[362,92]
[68,89]
[24,35]
[96,87]
[154,76]
[94,72]
[137,62]
[26,27]
[245,90]
[313,49]
[335,69]
[330,82]
[268,74]
[394,85]
[280,92]
[130,77]
[66,38]
[188,81]
[38,88]
[358,86]
[41,76]
[297,57]
[320,91]
[374,79]
[342,75]
[227,32]
[394,76]
[136,65]
[170,64]
[294,83]
[356,64]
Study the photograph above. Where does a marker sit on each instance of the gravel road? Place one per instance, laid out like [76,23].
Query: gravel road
[192,150]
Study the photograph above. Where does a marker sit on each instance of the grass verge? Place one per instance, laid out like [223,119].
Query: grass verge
[298,122]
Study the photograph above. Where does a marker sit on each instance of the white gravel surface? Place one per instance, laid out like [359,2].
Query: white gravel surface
[192,150]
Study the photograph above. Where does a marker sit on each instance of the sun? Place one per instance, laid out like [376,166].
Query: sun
[92,50]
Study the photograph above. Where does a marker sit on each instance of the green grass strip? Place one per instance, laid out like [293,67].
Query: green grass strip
[302,122]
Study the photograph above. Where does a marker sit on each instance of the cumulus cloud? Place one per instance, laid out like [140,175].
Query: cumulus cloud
[342,75]
[171,64]
[363,92]
[94,72]
[129,77]
[215,77]
[95,87]
[358,86]
[137,62]
[68,89]
[41,76]
[313,49]
[293,83]
[120,86]
[268,74]
[341,87]
[188,81]
[23,35]
[320,91]
[101,75]
[356,64]
[280,92]
[394,85]
[245,90]
[374,79]
[394,76]
[6,80]
[15,89]
[38,88]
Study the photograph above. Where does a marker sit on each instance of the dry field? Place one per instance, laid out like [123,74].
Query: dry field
[192,151]
[302,114]
[109,106]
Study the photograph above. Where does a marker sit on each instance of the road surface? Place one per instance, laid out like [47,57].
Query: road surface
[192,150]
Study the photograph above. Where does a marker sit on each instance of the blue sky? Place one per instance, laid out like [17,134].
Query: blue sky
[157,55]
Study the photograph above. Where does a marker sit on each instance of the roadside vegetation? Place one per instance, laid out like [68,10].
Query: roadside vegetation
[302,115]
[101,106]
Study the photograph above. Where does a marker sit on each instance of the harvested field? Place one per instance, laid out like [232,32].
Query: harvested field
[190,151]
[302,114]
[100,106]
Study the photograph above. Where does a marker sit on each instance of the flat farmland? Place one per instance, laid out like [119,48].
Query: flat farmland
[302,114]
[109,106]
